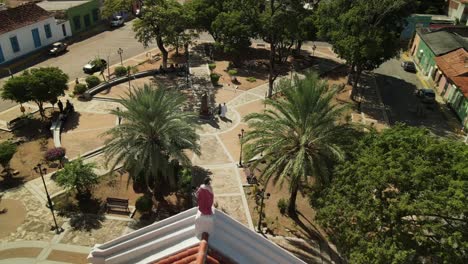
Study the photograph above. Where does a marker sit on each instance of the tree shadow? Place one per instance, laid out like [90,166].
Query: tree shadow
[32,128]
[84,214]
[313,234]
[7,183]
[213,121]
[72,122]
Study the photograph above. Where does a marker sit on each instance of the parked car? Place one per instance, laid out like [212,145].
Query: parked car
[408,66]
[426,95]
[57,48]
[117,21]
[95,66]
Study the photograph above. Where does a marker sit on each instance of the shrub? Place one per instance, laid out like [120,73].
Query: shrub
[92,81]
[7,150]
[79,176]
[54,154]
[232,72]
[212,66]
[215,78]
[144,204]
[80,88]
[282,205]
[120,71]
[251,79]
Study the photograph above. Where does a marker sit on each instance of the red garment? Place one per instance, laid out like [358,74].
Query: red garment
[205,199]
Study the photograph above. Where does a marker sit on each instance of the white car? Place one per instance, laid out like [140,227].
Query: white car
[117,21]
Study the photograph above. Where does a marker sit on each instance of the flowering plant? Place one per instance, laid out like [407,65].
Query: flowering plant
[55,154]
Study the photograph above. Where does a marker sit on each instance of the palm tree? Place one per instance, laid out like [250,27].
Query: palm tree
[297,134]
[154,135]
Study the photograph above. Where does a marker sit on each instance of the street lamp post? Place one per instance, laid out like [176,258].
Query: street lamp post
[259,198]
[120,51]
[41,171]
[241,136]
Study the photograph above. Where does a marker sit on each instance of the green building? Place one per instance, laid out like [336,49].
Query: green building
[82,15]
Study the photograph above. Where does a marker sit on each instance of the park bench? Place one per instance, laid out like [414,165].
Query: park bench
[117,203]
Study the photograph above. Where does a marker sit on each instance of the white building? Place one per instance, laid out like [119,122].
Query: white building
[190,237]
[458,9]
[27,28]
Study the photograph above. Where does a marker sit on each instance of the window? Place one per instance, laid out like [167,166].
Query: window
[14,44]
[77,22]
[95,15]
[36,38]
[87,21]
[2,59]
[64,30]
[47,30]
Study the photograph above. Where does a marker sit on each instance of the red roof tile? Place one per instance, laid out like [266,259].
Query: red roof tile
[453,66]
[21,16]
[198,254]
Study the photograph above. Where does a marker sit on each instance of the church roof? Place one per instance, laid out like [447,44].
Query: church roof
[182,239]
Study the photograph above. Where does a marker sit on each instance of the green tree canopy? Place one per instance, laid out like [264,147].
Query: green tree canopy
[365,33]
[154,134]
[163,21]
[78,176]
[232,31]
[110,7]
[400,198]
[297,134]
[39,85]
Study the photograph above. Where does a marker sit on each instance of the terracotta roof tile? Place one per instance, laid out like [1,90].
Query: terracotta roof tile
[453,66]
[198,254]
[21,16]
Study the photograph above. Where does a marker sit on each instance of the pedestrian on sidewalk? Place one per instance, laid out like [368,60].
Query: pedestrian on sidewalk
[76,81]
[119,116]
[224,110]
[220,108]
[60,106]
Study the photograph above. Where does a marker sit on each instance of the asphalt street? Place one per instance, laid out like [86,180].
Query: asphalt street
[397,88]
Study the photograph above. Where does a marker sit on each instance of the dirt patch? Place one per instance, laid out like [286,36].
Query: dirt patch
[14,217]
[66,256]
[116,186]
[28,252]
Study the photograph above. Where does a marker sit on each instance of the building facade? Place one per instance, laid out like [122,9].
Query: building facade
[28,28]
[82,14]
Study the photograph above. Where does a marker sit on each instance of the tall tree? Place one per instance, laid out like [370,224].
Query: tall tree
[400,197]
[40,85]
[363,32]
[297,134]
[278,27]
[162,21]
[232,31]
[205,12]
[153,135]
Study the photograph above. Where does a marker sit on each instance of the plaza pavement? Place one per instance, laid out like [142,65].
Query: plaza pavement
[220,149]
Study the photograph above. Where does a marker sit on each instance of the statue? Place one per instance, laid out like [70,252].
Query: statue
[205,197]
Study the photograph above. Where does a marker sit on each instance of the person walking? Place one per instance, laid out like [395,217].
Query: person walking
[224,110]
[60,106]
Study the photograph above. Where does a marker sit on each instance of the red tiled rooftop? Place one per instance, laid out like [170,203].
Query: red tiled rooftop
[198,254]
[21,16]
[453,66]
